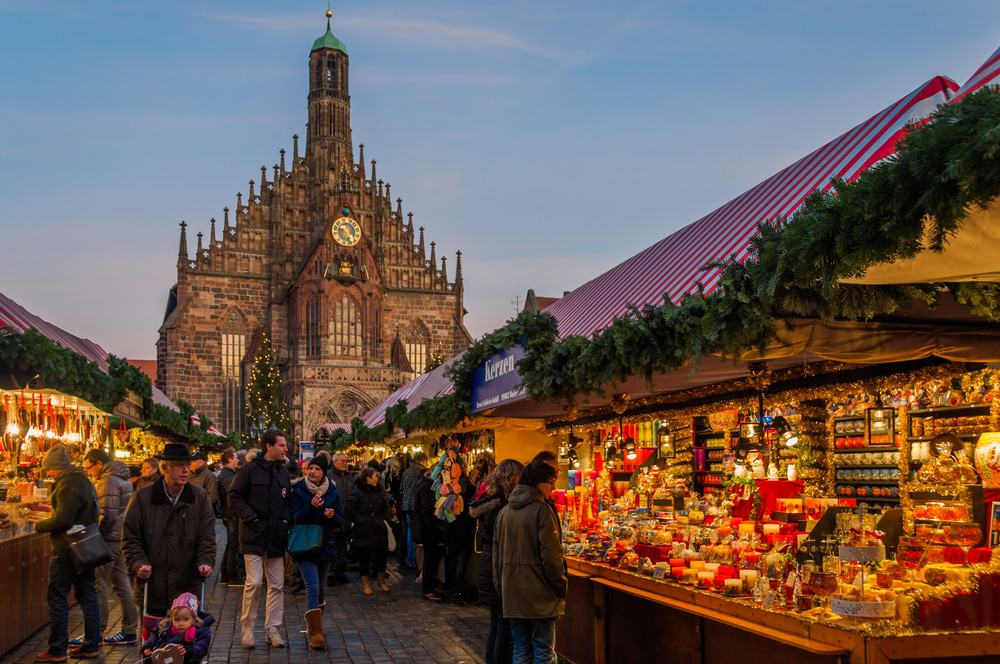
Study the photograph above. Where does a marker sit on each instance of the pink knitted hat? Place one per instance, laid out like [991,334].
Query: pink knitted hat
[186,600]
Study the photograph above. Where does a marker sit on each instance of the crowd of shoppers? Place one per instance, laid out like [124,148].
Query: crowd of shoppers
[317,518]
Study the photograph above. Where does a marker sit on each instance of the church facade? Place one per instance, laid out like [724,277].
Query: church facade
[320,258]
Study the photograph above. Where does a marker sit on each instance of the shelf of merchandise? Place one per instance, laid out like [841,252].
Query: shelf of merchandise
[946,410]
[877,448]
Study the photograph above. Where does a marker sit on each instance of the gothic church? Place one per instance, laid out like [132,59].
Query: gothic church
[320,258]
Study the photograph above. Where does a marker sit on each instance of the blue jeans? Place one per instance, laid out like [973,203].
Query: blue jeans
[534,640]
[411,546]
[314,576]
[62,577]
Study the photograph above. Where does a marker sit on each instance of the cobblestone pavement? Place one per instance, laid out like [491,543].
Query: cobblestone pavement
[398,626]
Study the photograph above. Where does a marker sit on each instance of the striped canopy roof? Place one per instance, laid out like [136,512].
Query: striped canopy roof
[425,386]
[16,318]
[674,265]
[988,74]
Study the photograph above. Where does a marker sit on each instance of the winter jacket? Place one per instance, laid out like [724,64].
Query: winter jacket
[302,511]
[225,480]
[408,486]
[204,479]
[195,649]
[426,528]
[175,539]
[74,502]
[485,512]
[344,481]
[368,510]
[258,496]
[528,564]
[114,490]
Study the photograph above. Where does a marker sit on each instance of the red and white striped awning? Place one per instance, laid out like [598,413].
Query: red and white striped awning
[330,427]
[674,265]
[15,317]
[432,384]
[988,74]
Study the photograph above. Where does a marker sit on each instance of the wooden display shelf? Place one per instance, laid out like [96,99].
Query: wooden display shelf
[634,616]
[925,439]
[867,465]
[875,448]
[24,577]
[872,482]
[946,410]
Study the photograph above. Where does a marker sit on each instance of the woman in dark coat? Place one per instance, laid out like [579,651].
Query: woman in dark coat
[499,484]
[368,512]
[315,501]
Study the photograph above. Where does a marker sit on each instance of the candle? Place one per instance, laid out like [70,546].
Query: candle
[697,564]
[727,571]
[677,562]
[749,579]
[746,528]
[735,584]
[677,572]
[772,528]
[705,579]
[712,567]
[689,576]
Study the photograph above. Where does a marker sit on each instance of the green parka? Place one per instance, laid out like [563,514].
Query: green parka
[528,569]
[74,502]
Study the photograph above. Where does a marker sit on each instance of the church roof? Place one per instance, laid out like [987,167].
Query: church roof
[328,40]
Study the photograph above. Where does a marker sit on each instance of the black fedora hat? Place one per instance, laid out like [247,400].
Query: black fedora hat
[175,452]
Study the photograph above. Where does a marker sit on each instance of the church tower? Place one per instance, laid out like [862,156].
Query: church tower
[328,144]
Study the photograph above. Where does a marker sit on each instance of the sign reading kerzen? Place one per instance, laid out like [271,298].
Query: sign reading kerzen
[497,381]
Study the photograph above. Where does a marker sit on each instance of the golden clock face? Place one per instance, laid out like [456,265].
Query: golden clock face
[346,231]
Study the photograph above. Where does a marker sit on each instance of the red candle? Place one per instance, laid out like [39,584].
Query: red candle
[726,571]
[677,572]
[677,562]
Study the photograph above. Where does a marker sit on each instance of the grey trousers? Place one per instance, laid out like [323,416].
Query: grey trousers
[114,576]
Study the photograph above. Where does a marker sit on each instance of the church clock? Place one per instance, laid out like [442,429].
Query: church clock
[346,231]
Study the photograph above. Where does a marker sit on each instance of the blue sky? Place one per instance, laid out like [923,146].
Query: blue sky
[546,140]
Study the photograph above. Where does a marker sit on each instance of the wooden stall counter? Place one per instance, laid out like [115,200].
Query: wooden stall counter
[640,619]
[24,579]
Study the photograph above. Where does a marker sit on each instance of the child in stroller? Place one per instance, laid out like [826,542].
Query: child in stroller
[184,635]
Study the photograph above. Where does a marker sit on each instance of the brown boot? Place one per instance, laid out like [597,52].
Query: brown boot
[314,626]
[366,587]
[380,582]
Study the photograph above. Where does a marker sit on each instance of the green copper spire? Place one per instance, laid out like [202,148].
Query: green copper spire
[328,40]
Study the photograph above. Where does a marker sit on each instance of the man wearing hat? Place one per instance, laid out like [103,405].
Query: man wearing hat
[169,533]
[74,502]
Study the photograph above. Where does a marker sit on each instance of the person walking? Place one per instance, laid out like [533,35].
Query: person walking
[368,512]
[528,567]
[74,502]
[114,490]
[498,486]
[343,479]
[232,568]
[258,497]
[428,531]
[149,473]
[168,537]
[407,492]
[204,479]
[315,501]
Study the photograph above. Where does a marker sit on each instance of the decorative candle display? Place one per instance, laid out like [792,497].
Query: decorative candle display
[705,579]
[771,528]
[749,579]
[697,564]
[746,528]
[689,576]
[712,567]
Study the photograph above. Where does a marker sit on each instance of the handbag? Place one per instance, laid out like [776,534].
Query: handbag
[392,538]
[87,549]
[305,537]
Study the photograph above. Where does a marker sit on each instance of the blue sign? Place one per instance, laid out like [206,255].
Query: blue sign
[497,381]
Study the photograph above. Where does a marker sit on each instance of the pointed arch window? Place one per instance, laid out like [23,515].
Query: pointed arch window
[233,349]
[346,328]
[416,341]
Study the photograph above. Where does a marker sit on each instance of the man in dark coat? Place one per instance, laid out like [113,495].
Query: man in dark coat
[74,502]
[342,478]
[408,490]
[528,567]
[232,565]
[428,530]
[169,533]
[258,496]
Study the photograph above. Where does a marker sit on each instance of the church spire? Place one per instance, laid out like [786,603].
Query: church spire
[201,250]
[182,247]
[225,223]
[211,238]
[421,246]
[361,159]
[433,260]
[458,268]
[444,271]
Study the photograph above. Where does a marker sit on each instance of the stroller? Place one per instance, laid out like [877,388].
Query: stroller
[169,653]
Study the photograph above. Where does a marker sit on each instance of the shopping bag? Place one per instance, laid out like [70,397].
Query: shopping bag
[305,537]
[391,537]
[87,549]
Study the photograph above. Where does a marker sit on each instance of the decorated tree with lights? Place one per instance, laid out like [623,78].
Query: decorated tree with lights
[264,399]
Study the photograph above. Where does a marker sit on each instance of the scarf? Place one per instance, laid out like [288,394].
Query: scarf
[189,633]
[317,490]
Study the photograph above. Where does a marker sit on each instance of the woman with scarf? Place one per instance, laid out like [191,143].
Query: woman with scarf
[315,500]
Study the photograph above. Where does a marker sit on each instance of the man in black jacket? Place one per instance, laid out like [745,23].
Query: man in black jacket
[74,502]
[232,569]
[343,479]
[258,496]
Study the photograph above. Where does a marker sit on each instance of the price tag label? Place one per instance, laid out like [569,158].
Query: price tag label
[659,572]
